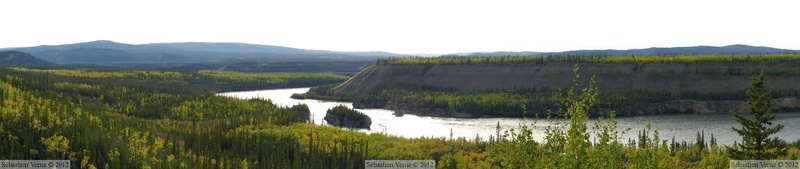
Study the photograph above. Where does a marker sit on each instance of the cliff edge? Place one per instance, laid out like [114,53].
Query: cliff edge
[703,78]
[673,87]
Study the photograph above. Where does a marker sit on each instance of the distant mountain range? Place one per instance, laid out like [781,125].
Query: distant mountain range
[17,58]
[731,49]
[108,52]
[105,52]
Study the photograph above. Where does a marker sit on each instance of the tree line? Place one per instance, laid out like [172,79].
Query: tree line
[606,59]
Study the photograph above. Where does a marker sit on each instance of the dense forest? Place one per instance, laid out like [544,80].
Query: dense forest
[626,101]
[161,119]
[202,81]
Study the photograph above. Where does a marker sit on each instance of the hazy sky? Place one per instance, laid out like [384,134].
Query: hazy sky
[408,26]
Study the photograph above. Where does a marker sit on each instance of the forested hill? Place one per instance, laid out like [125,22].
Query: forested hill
[109,52]
[17,58]
[700,73]
[626,82]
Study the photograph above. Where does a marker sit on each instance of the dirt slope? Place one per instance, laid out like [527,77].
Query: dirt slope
[655,76]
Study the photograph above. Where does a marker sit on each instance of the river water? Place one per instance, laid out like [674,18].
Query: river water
[683,127]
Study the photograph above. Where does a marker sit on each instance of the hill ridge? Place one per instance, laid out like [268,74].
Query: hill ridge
[106,51]
[18,58]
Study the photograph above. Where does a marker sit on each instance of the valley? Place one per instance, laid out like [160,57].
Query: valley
[104,116]
[399,84]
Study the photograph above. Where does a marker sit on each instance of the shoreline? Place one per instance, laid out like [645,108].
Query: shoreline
[784,104]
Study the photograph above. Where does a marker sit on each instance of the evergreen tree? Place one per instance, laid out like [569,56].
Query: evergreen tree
[497,130]
[755,133]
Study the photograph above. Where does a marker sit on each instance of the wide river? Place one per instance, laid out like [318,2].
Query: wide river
[681,126]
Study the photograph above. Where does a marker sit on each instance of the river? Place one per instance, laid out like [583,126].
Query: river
[680,126]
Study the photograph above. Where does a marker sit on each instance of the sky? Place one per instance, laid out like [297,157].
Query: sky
[408,26]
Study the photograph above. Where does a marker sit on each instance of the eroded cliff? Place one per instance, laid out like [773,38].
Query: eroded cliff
[703,79]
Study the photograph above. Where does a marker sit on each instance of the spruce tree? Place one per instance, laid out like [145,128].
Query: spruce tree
[755,133]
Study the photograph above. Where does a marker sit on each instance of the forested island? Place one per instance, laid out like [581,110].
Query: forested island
[347,117]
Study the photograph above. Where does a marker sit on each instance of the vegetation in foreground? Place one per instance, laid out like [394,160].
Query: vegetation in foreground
[756,133]
[97,125]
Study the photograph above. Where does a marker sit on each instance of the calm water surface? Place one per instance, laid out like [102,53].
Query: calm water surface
[681,126]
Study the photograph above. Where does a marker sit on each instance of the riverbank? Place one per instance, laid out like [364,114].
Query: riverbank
[405,102]
[786,104]
[410,125]
[529,86]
